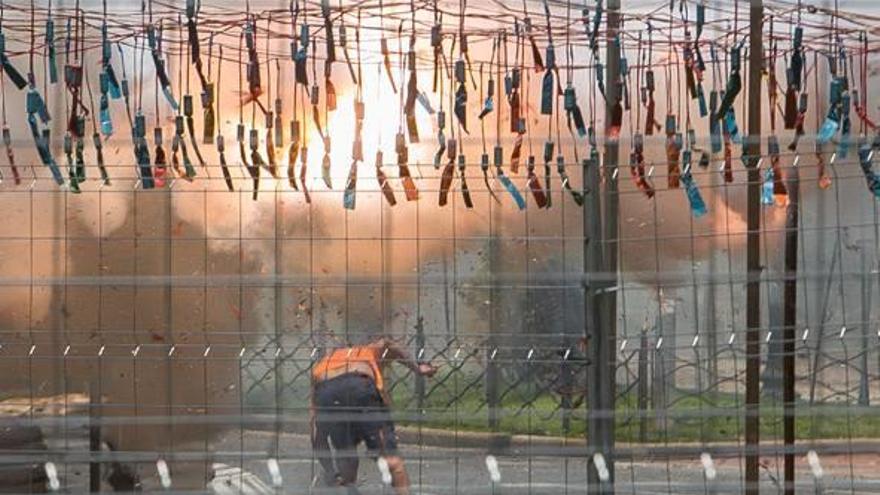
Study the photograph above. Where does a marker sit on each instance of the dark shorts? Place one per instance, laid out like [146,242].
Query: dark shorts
[349,410]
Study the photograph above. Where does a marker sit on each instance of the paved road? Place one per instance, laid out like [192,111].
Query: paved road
[436,471]
[441,471]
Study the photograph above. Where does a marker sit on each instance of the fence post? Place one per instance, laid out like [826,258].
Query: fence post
[753,249]
[95,432]
[600,261]
[643,386]
[867,286]
[420,380]
[495,312]
[790,320]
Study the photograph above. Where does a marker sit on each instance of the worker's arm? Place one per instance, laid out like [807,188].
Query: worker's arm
[398,353]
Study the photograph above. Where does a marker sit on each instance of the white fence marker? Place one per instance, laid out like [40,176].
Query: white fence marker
[384,470]
[274,472]
[601,467]
[164,473]
[492,467]
[52,475]
[708,466]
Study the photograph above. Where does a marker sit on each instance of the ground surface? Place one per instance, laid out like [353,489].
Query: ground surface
[436,471]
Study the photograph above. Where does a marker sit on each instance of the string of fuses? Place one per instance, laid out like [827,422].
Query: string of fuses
[684,44]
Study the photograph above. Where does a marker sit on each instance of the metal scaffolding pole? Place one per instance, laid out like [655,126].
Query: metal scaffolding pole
[753,252]
[594,331]
[788,336]
[600,263]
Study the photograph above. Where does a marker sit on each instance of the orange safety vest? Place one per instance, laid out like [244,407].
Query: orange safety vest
[350,358]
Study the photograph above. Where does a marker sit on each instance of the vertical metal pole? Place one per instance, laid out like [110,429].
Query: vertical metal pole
[495,316]
[643,386]
[387,263]
[279,291]
[95,432]
[753,252]
[790,319]
[710,329]
[58,314]
[612,148]
[867,285]
[823,282]
[168,298]
[420,380]
[592,263]
[278,323]
[608,304]
[168,301]
[600,260]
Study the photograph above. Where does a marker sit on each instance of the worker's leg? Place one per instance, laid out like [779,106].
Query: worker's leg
[321,447]
[399,477]
[335,442]
[345,437]
[347,465]
[377,432]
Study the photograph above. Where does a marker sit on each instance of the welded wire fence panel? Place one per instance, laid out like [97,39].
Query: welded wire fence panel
[212,364]
[165,339]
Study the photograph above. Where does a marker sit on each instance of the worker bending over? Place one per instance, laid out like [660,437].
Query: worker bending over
[350,405]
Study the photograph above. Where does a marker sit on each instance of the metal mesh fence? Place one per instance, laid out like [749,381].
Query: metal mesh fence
[163,340]
[196,320]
